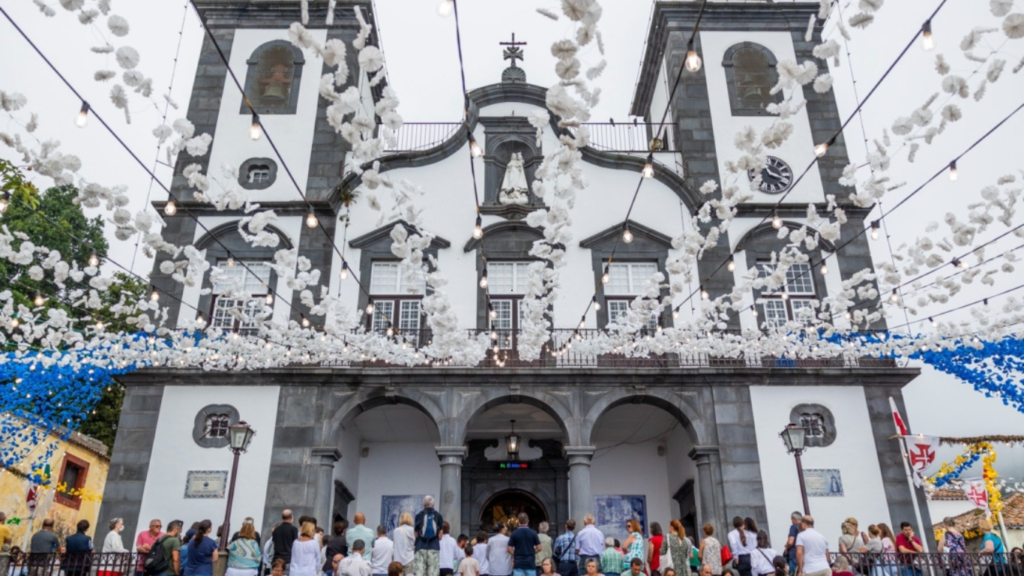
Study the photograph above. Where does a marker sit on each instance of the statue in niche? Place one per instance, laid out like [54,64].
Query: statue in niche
[514,189]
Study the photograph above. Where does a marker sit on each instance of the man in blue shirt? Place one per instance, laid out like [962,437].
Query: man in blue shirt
[790,551]
[523,545]
[77,559]
[564,550]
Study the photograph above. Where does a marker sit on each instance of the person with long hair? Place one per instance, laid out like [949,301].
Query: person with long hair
[244,553]
[763,557]
[888,558]
[202,551]
[654,548]
[710,551]
[634,545]
[305,553]
[677,545]
[404,537]
[742,541]
[547,568]
[953,544]
[781,566]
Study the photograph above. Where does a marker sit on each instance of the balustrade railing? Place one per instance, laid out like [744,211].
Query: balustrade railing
[17,563]
[934,564]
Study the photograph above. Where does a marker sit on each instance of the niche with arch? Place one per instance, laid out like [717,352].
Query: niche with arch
[272,80]
[750,75]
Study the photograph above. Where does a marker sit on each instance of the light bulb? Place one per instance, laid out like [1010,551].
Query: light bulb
[776,221]
[369,309]
[753,312]
[4,201]
[255,131]
[344,271]
[199,319]
[311,220]
[894,297]
[606,277]
[648,171]
[483,280]
[627,236]
[478,228]
[934,323]
[170,208]
[231,262]
[693,61]
[875,229]
[583,324]
[93,260]
[474,149]
[390,331]
[927,42]
[39,300]
[847,315]
[305,322]
[99,325]
[952,172]
[154,295]
[491,312]
[821,149]
[824,269]
[704,293]
[597,305]
[14,322]
[731,266]
[986,306]
[675,313]
[445,7]
[270,299]
[494,335]
[83,116]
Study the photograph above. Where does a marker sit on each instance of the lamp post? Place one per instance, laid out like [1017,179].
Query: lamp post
[793,436]
[239,436]
[512,443]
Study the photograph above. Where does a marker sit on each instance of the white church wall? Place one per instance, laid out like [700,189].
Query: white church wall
[292,133]
[797,151]
[290,226]
[634,469]
[680,467]
[164,495]
[863,492]
[419,473]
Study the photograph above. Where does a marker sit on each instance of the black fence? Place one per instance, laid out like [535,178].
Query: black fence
[933,564]
[69,564]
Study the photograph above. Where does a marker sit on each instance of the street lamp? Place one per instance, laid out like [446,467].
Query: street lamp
[512,443]
[239,436]
[793,435]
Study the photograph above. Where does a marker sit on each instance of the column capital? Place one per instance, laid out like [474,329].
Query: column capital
[328,455]
[579,454]
[450,455]
[703,454]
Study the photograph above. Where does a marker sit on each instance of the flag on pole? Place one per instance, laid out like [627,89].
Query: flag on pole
[901,427]
[976,492]
[921,450]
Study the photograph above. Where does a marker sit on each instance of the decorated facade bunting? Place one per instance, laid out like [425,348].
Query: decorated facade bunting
[976,492]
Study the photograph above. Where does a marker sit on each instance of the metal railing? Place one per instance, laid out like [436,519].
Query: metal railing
[933,564]
[18,563]
[507,355]
[606,136]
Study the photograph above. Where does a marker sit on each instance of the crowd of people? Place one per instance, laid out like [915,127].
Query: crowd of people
[423,545]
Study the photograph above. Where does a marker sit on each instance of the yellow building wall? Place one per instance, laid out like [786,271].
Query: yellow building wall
[14,487]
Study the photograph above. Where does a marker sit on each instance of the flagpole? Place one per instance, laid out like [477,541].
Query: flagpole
[910,479]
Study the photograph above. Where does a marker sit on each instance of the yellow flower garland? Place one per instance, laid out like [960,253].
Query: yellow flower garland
[989,474]
[995,497]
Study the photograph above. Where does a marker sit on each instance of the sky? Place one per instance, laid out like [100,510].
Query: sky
[420,53]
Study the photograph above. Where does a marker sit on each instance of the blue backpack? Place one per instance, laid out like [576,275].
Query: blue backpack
[429,529]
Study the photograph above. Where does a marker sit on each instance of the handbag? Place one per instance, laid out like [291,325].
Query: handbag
[726,555]
[665,560]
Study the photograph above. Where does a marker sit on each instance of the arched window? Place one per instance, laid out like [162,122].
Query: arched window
[257,173]
[216,425]
[272,82]
[750,74]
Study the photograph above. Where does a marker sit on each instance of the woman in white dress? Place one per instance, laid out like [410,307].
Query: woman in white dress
[305,553]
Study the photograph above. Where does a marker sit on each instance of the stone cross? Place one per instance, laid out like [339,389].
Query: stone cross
[513,52]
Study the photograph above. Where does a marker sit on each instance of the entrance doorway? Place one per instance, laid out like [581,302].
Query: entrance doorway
[505,507]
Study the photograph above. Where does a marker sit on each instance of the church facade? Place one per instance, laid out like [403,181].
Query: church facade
[694,438]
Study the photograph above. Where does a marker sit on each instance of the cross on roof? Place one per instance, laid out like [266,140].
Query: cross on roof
[513,52]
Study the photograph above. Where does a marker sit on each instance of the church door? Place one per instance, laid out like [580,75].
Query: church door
[505,507]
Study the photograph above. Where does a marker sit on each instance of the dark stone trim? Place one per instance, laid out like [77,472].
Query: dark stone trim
[292,104]
[648,245]
[133,450]
[199,428]
[828,420]
[758,246]
[229,228]
[243,173]
[288,208]
[230,239]
[327,158]
[237,14]
[505,250]
[372,237]
[738,108]
[766,228]
[502,136]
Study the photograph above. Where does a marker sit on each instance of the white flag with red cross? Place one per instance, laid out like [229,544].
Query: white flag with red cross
[921,451]
[976,492]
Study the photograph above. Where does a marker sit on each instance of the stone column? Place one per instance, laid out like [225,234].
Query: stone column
[709,502]
[449,501]
[581,502]
[324,482]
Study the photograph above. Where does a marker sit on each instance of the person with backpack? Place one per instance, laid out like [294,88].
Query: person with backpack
[164,556]
[428,523]
[564,551]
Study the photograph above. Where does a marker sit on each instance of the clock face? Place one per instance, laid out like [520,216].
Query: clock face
[776,177]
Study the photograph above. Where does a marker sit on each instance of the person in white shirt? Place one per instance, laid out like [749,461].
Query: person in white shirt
[498,558]
[405,542]
[353,564]
[762,558]
[589,543]
[742,541]
[450,552]
[382,553]
[480,553]
[811,550]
